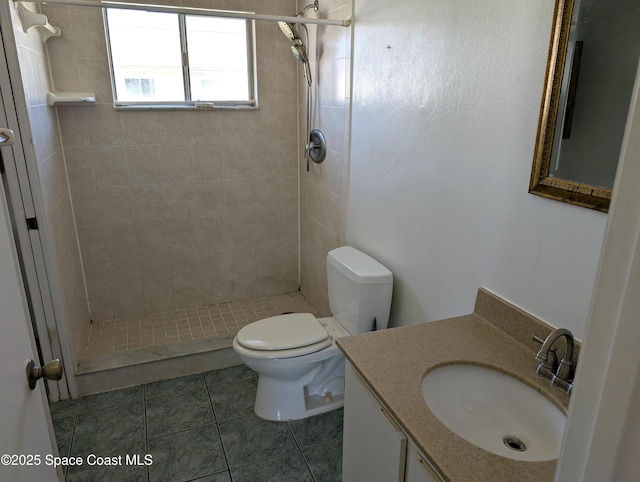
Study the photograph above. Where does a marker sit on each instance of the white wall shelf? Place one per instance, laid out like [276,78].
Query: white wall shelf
[31,19]
[60,98]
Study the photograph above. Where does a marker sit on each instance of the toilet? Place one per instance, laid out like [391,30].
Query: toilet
[301,370]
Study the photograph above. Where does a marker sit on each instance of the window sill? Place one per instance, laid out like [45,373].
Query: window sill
[248,105]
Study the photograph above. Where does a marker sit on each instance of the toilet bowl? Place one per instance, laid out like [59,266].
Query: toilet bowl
[299,381]
[301,370]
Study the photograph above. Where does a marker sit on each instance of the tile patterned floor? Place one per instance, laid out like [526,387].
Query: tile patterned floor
[201,427]
[107,337]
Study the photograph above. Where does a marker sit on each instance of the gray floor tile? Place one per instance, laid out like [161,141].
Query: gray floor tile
[285,468]
[325,461]
[231,374]
[110,399]
[105,473]
[233,399]
[172,414]
[315,430]
[63,416]
[118,426]
[186,455]
[221,477]
[175,386]
[249,439]
[120,469]
[63,409]
[256,450]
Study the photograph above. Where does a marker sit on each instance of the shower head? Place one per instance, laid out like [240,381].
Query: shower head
[300,53]
[288,30]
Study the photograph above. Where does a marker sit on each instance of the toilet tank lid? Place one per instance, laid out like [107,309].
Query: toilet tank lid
[359,266]
[282,332]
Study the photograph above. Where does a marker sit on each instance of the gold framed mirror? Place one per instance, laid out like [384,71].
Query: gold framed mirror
[583,111]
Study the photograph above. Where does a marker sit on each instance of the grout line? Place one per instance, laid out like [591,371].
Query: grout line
[215,418]
[224,318]
[73,435]
[146,435]
[308,466]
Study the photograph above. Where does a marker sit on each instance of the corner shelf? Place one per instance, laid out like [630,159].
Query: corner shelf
[31,19]
[61,98]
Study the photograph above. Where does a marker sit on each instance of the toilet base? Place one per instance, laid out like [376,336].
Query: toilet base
[320,391]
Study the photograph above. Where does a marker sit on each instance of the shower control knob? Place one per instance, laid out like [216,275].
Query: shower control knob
[50,371]
[317,146]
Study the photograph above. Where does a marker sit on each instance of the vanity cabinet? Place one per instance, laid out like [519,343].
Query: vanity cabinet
[375,449]
[418,469]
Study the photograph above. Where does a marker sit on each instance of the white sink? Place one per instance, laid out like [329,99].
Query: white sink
[495,412]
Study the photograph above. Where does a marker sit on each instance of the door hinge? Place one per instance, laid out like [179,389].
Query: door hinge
[32,223]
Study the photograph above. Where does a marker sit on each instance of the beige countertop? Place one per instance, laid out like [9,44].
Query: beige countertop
[393,363]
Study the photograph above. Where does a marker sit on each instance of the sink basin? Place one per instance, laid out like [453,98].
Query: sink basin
[495,412]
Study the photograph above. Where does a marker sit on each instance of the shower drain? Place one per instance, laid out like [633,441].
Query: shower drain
[514,443]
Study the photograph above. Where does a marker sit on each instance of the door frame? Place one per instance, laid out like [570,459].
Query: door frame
[26,200]
[602,434]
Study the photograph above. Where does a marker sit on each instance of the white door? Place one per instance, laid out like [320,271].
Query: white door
[26,435]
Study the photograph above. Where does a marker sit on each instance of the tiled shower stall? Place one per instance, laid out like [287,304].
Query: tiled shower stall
[163,211]
[176,209]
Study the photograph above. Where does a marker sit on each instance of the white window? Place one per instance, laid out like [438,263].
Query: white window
[175,60]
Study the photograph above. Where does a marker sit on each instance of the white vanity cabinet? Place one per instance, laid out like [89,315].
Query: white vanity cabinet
[375,449]
[418,470]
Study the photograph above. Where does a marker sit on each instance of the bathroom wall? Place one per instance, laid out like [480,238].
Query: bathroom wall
[445,109]
[58,227]
[179,208]
[323,190]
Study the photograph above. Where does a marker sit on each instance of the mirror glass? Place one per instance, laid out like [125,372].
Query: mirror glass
[593,59]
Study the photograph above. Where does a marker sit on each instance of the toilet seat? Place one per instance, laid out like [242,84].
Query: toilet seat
[281,336]
[291,353]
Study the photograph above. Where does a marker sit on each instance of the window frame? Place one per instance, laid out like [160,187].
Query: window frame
[252,79]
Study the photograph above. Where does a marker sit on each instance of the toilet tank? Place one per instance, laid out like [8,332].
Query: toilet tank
[359,290]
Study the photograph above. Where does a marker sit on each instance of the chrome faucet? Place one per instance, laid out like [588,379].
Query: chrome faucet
[560,374]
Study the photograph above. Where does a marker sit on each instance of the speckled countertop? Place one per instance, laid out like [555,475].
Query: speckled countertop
[393,363]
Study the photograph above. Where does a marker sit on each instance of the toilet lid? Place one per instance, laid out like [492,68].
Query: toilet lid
[282,332]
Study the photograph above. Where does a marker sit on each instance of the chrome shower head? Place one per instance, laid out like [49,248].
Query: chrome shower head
[300,53]
[288,30]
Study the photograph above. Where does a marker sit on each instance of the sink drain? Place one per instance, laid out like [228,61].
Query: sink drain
[514,443]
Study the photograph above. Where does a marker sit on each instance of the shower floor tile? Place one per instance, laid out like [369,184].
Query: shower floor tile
[123,334]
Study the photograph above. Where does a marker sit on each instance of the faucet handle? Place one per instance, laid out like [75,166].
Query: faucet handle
[552,360]
[565,370]
[548,360]
[537,339]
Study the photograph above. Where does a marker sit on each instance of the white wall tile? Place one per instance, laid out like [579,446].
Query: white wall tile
[140,128]
[101,309]
[186,269]
[155,273]
[209,199]
[157,188]
[158,301]
[188,297]
[110,166]
[206,161]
